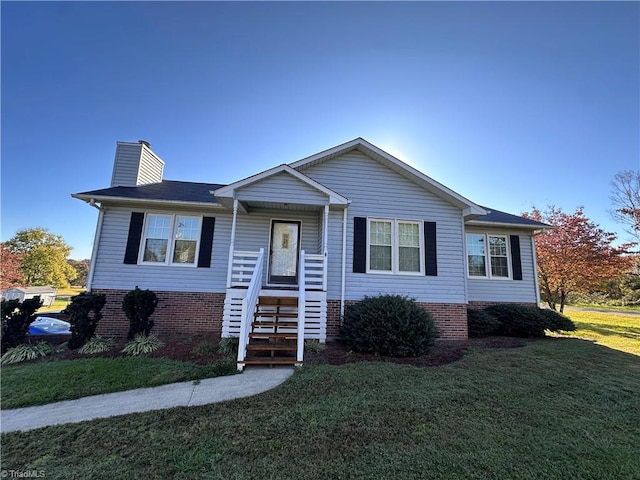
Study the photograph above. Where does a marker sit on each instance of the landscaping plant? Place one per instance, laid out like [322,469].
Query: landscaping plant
[229,346]
[16,318]
[391,325]
[515,320]
[480,323]
[97,344]
[25,352]
[138,305]
[84,314]
[142,344]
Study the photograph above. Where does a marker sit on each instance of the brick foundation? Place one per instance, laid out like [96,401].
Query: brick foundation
[176,313]
[450,318]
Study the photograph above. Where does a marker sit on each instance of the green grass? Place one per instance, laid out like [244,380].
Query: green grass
[63,298]
[46,382]
[621,332]
[554,409]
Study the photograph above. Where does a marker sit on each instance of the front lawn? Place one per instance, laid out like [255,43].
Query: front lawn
[38,383]
[618,331]
[553,409]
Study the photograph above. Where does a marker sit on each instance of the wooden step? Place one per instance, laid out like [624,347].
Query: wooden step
[275,314]
[275,324]
[268,347]
[286,336]
[278,301]
[269,361]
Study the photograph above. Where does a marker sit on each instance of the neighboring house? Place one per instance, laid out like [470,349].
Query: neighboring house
[299,242]
[47,294]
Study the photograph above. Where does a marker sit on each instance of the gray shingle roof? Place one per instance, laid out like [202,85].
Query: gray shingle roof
[496,216]
[170,190]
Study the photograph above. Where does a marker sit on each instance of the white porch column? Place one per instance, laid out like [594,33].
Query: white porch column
[233,241]
[344,261]
[325,247]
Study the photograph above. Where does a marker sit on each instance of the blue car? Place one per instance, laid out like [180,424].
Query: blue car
[49,326]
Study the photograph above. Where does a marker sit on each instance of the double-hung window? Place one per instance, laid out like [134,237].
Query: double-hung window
[170,239]
[487,255]
[395,246]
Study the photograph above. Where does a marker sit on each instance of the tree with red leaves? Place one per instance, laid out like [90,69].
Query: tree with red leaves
[10,268]
[576,256]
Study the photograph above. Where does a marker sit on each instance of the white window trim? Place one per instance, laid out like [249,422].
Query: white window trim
[487,256]
[395,246]
[172,241]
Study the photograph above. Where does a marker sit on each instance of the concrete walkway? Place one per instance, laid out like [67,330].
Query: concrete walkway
[185,394]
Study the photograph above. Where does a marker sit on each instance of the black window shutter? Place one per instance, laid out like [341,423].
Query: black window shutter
[359,244]
[206,242]
[133,240]
[431,252]
[516,263]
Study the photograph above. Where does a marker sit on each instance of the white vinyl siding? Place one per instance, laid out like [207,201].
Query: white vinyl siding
[112,273]
[484,289]
[395,246]
[376,191]
[151,168]
[125,166]
[282,188]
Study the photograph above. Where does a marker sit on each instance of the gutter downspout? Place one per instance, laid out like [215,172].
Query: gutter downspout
[96,241]
[535,269]
[344,263]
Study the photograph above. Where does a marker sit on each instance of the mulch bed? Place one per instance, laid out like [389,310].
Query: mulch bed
[200,349]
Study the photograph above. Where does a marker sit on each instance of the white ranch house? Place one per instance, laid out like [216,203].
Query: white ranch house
[275,258]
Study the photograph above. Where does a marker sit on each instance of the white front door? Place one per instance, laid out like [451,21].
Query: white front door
[284,252]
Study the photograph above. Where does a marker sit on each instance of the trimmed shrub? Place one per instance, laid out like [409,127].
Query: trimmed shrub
[16,318]
[392,325]
[525,321]
[480,323]
[142,344]
[517,320]
[138,305]
[84,315]
[556,322]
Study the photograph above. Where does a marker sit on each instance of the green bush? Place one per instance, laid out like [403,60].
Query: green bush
[97,344]
[138,305]
[556,322]
[313,346]
[204,349]
[84,315]
[142,344]
[229,346]
[480,323]
[16,318]
[527,321]
[517,320]
[25,352]
[392,325]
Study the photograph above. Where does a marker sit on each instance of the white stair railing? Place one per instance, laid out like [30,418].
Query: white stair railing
[248,307]
[302,308]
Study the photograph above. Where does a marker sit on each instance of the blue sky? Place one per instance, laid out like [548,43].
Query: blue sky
[511,104]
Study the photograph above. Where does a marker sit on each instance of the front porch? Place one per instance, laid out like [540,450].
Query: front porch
[276,290]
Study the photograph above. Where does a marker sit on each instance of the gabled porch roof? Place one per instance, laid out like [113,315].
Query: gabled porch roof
[470,209]
[227,194]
